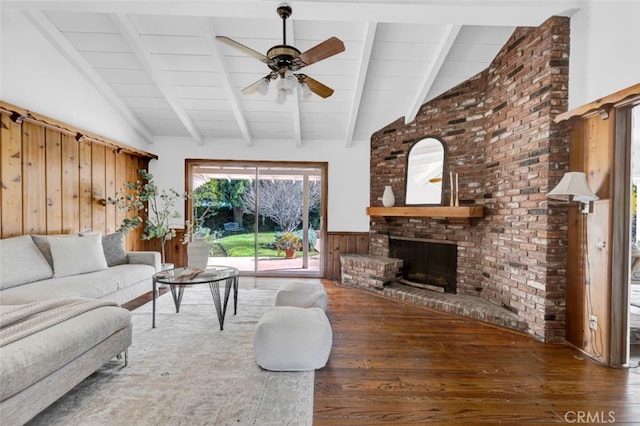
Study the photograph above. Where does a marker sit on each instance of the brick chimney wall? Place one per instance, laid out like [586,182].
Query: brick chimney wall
[500,138]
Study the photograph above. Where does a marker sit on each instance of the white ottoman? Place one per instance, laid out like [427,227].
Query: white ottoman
[302,294]
[288,338]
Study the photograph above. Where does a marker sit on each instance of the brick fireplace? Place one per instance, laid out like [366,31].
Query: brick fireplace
[500,138]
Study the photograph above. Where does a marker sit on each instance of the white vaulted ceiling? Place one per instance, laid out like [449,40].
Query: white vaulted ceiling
[159,62]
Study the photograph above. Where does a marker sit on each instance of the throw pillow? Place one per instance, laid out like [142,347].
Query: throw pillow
[114,250]
[42,242]
[73,255]
[21,262]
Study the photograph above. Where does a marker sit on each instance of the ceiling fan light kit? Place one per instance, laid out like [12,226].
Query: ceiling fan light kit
[304,90]
[283,60]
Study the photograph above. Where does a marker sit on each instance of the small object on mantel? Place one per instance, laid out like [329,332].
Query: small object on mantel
[388,199]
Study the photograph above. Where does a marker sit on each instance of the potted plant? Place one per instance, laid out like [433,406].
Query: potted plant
[201,210]
[289,243]
[159,207]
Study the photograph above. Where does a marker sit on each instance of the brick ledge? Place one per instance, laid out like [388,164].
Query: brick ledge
[460,304]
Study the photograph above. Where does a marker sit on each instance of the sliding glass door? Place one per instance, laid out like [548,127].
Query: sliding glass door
[264,218]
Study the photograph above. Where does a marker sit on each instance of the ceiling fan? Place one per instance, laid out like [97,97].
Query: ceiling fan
[283,60]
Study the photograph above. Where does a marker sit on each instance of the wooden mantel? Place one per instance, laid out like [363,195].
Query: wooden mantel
[463,212]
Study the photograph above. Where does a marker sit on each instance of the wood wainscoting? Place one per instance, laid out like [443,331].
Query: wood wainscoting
[56,178]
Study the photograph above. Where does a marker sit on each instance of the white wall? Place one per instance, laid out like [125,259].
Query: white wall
[605,50]
[36,77]
[348,170]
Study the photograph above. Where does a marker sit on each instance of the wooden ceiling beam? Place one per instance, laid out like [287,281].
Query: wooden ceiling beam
[130,33]
[232,94]
[361,78]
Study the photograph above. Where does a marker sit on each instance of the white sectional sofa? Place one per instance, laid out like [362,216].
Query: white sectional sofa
[40,267]
[79,279]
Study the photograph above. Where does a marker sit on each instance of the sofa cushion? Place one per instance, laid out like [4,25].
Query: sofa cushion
[97,285]
[73,255]
[21,262]
[114,249]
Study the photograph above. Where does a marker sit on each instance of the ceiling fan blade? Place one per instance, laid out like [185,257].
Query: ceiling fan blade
[241,47]
[316,87]
[321,51]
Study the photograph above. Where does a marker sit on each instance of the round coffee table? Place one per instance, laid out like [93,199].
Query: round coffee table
[177,279]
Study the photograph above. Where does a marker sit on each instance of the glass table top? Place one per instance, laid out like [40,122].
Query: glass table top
[195,275]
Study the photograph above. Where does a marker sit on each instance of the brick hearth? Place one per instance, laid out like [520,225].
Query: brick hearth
[459,304]
[369,272]
[379,275]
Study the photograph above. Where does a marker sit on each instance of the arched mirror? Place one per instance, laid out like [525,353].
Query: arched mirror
[425,166]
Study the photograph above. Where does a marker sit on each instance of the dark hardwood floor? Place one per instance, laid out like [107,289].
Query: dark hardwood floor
[396,363]
[402,364]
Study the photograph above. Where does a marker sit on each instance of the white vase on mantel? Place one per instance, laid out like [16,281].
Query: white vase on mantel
[388,199]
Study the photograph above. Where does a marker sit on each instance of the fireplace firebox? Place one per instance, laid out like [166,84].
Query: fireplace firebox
[426,263]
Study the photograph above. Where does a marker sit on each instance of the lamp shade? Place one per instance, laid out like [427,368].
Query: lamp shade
[573,187]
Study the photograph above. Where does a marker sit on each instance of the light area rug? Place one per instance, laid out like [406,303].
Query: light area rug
[187,371]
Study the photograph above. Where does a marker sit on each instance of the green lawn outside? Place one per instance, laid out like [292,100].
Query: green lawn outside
[242,245]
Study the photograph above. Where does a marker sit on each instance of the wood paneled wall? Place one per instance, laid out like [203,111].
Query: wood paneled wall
[55,179]
[594,245]
[588,284]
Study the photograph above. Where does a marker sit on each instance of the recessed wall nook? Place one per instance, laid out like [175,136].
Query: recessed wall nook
[501,140]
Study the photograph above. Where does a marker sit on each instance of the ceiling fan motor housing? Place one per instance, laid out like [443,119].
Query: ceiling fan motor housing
[283,58]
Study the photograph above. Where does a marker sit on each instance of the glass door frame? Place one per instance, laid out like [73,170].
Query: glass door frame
[191,166]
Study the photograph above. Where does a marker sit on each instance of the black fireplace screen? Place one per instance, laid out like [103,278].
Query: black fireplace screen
[429,263]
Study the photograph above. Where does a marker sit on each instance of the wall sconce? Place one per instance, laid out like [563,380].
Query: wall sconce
[574,187]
